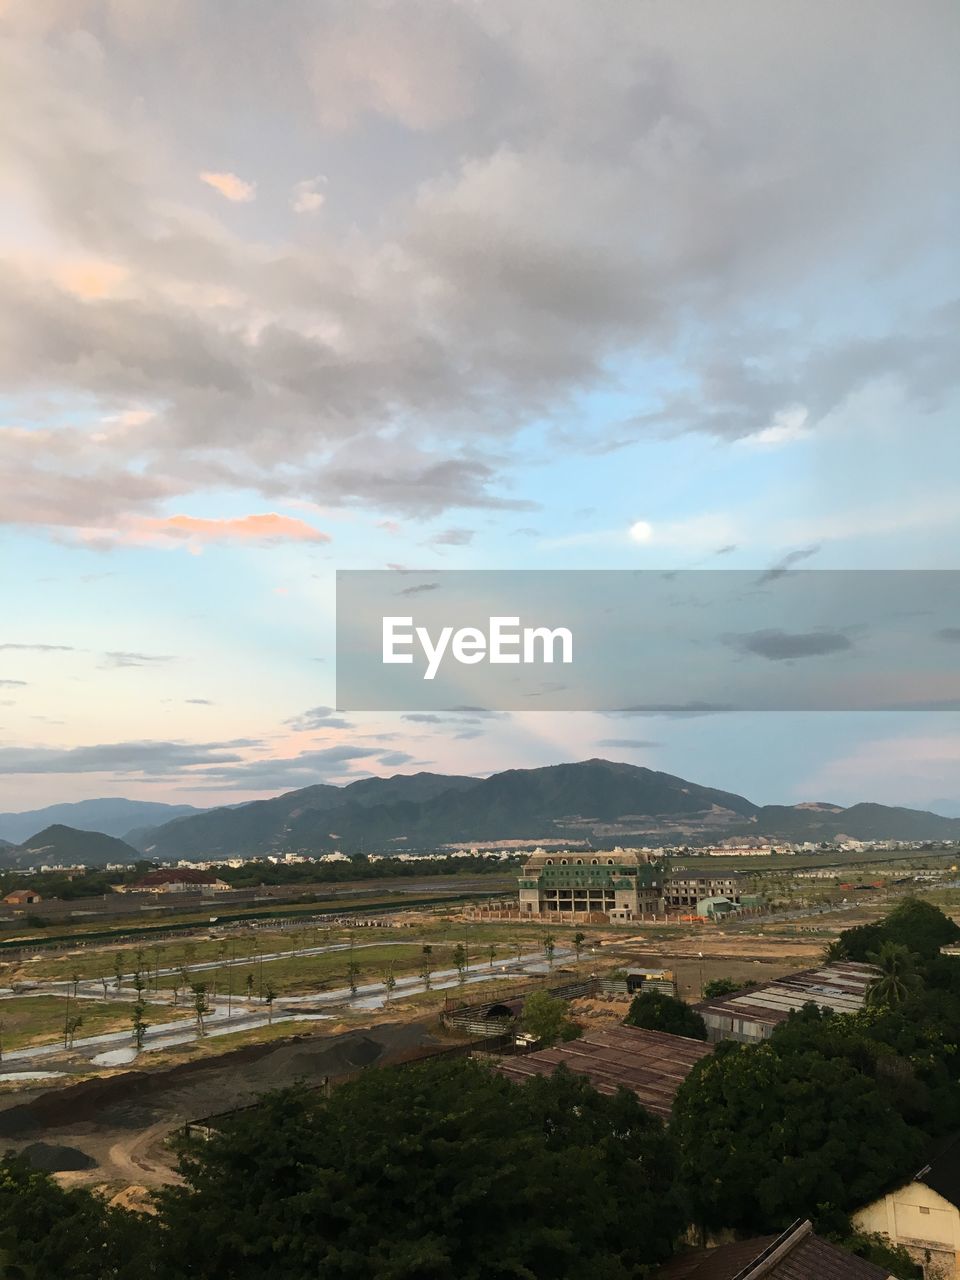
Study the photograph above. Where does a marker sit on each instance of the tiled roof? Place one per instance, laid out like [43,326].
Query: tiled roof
[652,1064]
[797,1254]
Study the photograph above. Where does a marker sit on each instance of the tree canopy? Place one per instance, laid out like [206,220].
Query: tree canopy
[440,1170]
[659,1012]
[718,987]
[919,926]
[48,1231]
[767,1136]
[546,1017]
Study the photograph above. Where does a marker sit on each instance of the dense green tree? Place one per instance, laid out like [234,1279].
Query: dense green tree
[440,1171]
[46,1231]
[921,927]
[658,1012]
[718,987]
[766,1137]
[917,925]
[910,1051]
[547,1017]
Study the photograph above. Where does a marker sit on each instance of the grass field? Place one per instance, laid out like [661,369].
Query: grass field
[94,962]
[36,1020]
[302,975]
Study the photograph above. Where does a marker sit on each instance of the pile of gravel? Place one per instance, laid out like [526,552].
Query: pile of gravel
[51,1158]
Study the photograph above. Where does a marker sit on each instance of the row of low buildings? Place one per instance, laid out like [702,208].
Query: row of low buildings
[922,1215]
[622,885]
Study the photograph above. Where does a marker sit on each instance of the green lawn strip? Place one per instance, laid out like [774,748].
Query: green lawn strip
[39,1020]
[301,975]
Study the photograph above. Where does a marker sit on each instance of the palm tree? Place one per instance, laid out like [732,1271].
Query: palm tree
[898,977]
[834,951]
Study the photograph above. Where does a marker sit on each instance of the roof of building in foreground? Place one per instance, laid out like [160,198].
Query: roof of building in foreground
[796,1254]
[840,987]
[652,1064]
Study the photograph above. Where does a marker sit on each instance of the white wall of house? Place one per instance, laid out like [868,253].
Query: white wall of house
[926,1224]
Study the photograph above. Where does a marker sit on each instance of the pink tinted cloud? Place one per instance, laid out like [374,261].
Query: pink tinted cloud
[230,186]
[194,532]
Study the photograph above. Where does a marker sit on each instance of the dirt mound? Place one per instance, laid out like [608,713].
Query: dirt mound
[136,1198]
[50,1158]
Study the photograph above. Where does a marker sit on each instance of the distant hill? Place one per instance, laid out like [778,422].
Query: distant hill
[420,811]
[67,845]
[597,800]
[859,822]
[113,816]
[302,818]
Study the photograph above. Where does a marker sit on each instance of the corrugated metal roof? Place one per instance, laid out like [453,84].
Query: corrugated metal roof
[841,987]
[651,1064]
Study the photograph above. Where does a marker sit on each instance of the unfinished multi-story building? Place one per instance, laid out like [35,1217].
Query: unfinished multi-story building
[620,885]
[683,890]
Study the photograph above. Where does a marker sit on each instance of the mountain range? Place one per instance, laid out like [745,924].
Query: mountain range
[596,800]
[599,801]
[112,816]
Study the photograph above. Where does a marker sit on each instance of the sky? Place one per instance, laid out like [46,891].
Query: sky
[297,287]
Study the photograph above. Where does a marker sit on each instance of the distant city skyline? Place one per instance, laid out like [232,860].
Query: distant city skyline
[287,289]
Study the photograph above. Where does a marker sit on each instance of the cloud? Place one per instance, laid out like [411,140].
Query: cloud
[628,744]
[468,719]
[671,710]
[419,589]
[263,529]
[124,659]
[541,204]
[307,196]
[950,634]
[38,648]
[10,684]
[147,758]
[788,425]
[230,186]
[318,718]
[786,563]
[453,538]
[199,702]
[779,646]
[284,773]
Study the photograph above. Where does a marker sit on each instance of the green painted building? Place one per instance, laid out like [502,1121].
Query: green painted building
[620,885]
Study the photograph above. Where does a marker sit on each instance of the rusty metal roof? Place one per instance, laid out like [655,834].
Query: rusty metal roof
[652,1064]
[797,1254]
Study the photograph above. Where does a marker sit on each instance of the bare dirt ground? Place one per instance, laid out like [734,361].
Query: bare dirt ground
[123,1122]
